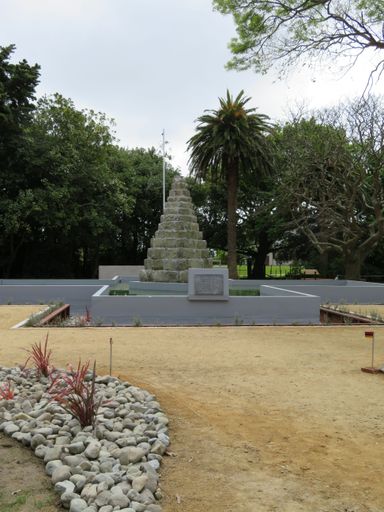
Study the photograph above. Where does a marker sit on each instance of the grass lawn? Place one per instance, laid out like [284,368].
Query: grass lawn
[270,270]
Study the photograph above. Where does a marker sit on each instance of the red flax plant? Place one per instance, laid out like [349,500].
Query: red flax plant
[68,380]
[6,391]
[41,357]
[87,315]
[76,395]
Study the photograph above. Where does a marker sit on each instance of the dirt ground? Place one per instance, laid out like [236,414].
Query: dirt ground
[18,491]
[261,418]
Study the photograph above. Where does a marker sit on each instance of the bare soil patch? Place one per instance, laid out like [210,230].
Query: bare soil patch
[261,418]
[24,486]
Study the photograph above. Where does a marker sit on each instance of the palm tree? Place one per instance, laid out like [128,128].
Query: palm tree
[229,142]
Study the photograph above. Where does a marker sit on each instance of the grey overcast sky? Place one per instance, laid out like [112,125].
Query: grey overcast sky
[151,64]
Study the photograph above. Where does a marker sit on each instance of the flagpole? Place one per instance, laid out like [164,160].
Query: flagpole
[163,134]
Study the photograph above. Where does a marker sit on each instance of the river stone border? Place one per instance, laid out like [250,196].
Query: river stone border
[113,467]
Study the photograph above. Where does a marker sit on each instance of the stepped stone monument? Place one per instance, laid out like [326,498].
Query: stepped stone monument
[178,244]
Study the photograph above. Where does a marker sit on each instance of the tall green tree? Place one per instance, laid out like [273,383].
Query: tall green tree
[210,202]
[141,172]
[80,197]
[68,200]
[295,31]
[17,94]
[260,222]
[229,142]
[333,188]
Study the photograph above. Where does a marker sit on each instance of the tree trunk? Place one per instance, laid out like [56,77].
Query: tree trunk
[324,253]
[134,254]
[323,263]
[258,271]
[10,270]
[262,251]
[232,220]
[352,265]
[249,267]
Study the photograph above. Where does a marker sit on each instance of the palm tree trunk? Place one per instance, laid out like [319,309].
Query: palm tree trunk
[232,184]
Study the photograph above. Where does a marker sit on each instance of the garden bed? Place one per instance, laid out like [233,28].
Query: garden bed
[336,316]
[59,314]
[100,438]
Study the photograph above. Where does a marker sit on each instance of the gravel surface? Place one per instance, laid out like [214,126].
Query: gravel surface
[111,466]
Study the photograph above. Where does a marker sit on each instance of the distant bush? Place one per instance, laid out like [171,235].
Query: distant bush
[119,292]
[243,292]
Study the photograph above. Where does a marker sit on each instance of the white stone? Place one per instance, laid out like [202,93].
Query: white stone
[78,505]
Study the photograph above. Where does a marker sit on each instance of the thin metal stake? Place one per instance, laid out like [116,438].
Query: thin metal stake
[110,356]
[371,369]
[373,349]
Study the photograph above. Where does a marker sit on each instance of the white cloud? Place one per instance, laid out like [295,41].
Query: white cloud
[149,64]
[51,9]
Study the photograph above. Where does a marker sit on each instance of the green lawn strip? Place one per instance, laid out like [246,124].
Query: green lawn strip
[243,292]
[13,504]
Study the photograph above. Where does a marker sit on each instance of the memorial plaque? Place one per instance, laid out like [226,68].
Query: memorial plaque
[209,284]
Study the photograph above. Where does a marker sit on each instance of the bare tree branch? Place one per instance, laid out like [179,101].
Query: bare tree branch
[285,33]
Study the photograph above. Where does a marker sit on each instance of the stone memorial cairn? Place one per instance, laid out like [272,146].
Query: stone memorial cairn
[178,244]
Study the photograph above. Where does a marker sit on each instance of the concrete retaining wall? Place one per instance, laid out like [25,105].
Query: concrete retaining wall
[277,291]
[281,302]
[256,283]
[178,310]
[182,288]
[77,282]
[349,292]
[77,295]
[152,288]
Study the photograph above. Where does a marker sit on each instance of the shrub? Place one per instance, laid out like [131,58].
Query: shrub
[36,318]
[40,357]
[87,315]
[6,391]
[76,395]
[64,381]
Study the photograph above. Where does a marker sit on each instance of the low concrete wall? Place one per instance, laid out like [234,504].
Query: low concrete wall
[256,283]
[182,288]
[349,293]
[277,291]
[110,271]
[281,302]
[178,310]
[78,296]
[350,282]
[77,282]
[152,288]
